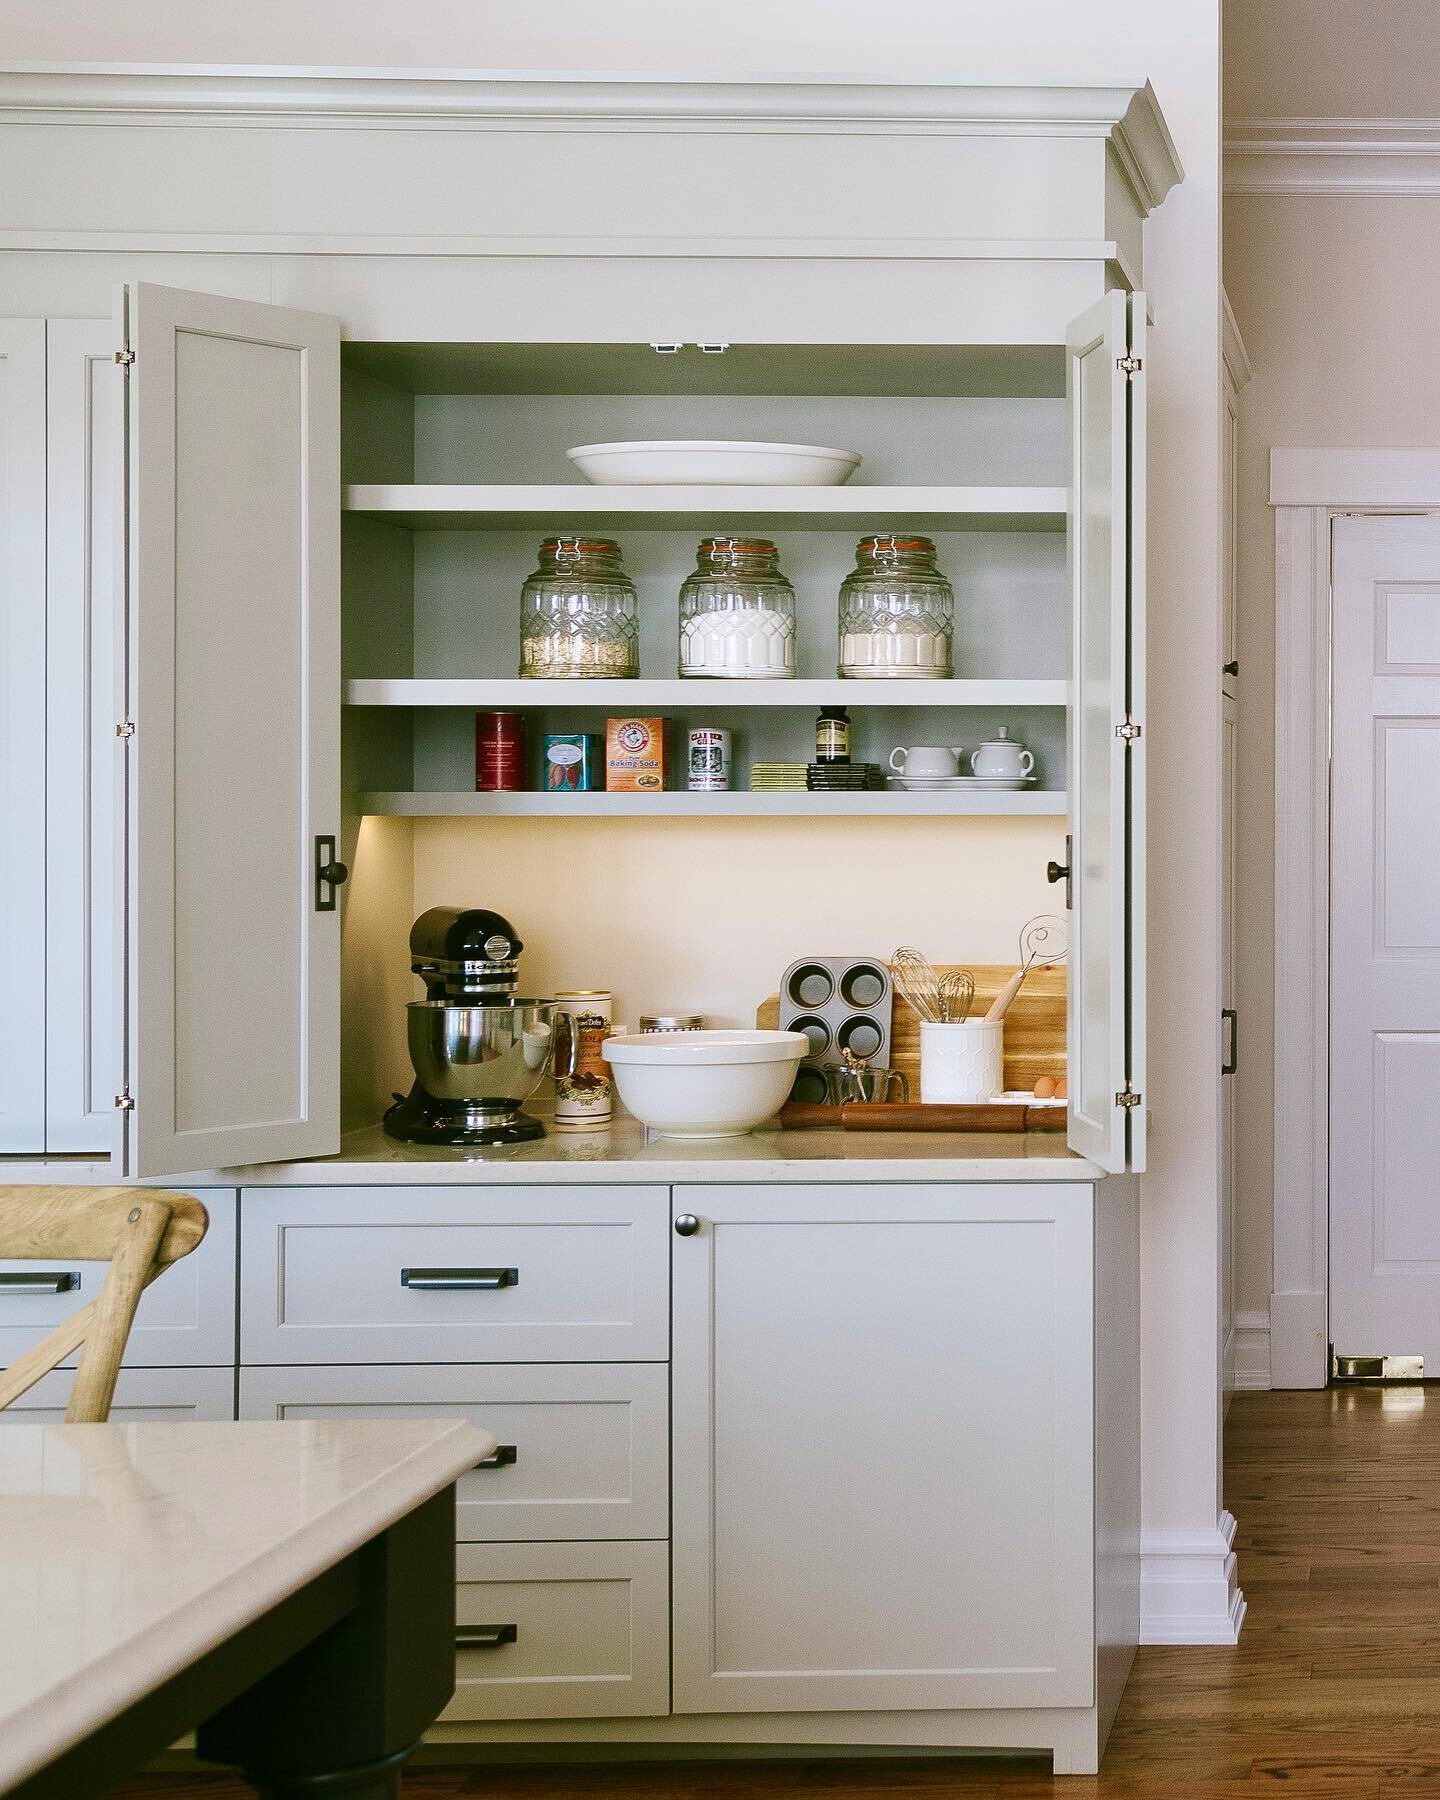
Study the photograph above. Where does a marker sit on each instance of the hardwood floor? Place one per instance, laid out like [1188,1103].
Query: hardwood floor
[1333,1692]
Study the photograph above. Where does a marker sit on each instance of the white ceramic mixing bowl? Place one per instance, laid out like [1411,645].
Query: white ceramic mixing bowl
[705,1084]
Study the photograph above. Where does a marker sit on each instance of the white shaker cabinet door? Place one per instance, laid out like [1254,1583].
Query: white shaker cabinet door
[85,394]
[22,736]
[1106,746]
[882,1486]
[232,941]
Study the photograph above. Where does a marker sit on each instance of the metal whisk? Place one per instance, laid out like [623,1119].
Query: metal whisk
[914,975]
[957,992]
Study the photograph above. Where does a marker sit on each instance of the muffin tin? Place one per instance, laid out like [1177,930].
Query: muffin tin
[840,1003]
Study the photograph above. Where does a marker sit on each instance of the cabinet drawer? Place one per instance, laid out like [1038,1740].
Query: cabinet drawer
[587,1443]
[142,1397]
[185,1319]
[457,1275]
[587,1626]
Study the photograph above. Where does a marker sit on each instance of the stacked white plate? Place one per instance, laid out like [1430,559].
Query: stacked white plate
[975,784]
[689,462]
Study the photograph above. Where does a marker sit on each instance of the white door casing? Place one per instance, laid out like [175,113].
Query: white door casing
[1385,939]
[22,736]
[1105,386]
[84,397]
[232,684]
[834,1548]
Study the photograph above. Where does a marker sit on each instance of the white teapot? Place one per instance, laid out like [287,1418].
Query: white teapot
[1001,759]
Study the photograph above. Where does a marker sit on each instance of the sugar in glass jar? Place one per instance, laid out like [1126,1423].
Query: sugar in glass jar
[897,612]
[737,613]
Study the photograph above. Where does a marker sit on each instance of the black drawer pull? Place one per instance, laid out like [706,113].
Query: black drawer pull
[484,1637]
[471,1280]
[40,1281]
[500,1457]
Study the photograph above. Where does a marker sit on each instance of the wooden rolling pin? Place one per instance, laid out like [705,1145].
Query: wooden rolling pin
[882,1115]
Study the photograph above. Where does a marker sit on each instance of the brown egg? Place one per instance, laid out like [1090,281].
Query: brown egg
[1060,1088]
[1045,1088]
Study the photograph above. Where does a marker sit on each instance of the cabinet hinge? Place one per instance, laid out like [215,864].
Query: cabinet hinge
[1127,1097]
[1129,365]
[124,1102]
[125,729]
[124,358]
[1129,731]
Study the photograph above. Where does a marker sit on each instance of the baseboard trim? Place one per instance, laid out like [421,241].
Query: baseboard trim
[1189,1591]
[1251,1368]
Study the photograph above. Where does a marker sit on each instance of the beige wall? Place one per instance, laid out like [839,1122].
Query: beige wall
[1335,299]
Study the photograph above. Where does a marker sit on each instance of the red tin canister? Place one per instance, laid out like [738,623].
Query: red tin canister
[499,752]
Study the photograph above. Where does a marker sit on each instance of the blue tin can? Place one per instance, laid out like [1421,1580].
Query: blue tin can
[572,762]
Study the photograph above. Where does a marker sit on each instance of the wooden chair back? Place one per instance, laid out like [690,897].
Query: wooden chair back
[138,1231]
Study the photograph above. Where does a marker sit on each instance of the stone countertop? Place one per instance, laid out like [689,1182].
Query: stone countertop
[621,1154]
[132,1550]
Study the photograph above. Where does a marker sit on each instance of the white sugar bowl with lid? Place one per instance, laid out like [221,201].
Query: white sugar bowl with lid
[1002,758]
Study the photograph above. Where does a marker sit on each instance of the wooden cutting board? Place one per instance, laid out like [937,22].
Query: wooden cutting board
[1034,1025]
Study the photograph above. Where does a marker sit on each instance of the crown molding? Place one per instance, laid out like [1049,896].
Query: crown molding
[1126,114]
[1332,156]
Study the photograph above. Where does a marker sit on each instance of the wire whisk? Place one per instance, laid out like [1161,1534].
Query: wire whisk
[914,975]
[1043,940]
[957,994]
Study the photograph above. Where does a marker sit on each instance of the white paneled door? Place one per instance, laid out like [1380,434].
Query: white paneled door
[232,687]
[1385,940]
[1105,746]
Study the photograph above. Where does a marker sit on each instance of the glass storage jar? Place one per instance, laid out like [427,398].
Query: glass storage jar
[737,613]
[577,613]
[897,612]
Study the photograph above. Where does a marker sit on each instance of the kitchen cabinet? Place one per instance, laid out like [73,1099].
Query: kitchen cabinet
[326,508]
[883,1459]
[142,1396]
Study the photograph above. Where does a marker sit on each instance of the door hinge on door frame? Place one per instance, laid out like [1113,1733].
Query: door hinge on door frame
[1127,1097]
[125,357]
[1129,366]
[125,729]
[125,1102]
[1129,731]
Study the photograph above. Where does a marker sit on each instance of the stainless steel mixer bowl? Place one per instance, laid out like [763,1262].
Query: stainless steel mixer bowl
[495,1056]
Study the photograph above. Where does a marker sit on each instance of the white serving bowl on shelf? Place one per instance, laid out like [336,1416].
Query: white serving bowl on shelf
[705,1084]
[686,462]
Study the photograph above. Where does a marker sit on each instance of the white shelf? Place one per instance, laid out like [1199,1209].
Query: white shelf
[736,805]
[698,692]
[435,507]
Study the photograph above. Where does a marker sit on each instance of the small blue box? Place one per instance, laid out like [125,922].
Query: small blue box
[572,762]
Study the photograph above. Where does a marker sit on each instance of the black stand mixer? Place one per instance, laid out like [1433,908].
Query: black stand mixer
[478,1051]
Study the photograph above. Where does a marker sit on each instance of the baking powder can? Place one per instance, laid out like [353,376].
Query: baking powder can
[584,1092]
[707,763]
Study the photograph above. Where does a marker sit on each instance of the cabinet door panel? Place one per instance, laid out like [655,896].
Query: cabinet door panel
[232,1050]
[882,1476]
[1106,985]
[590,1637]
[185,1319]
[142,1397]
[22,736]
[450,1275]
[85,410]
[589,1443]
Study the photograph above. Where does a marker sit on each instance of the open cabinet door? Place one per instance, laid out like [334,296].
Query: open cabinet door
[232,769]
[1106,748]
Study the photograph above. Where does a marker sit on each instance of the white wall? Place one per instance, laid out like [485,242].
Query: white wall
[1176,46]
[1335,297]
